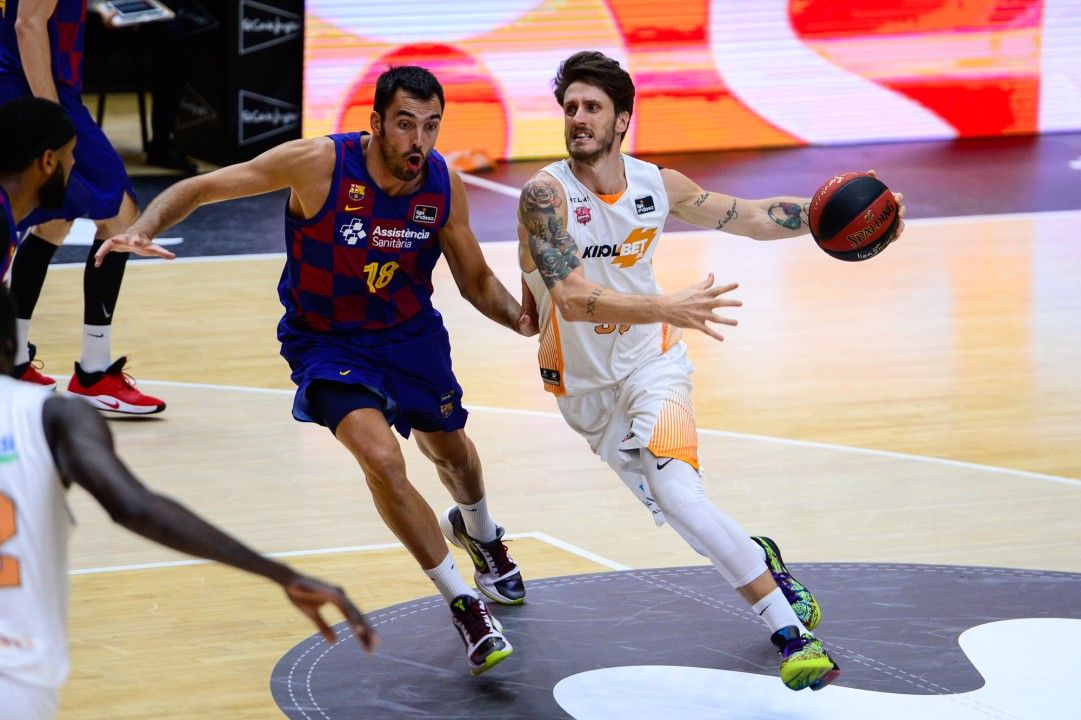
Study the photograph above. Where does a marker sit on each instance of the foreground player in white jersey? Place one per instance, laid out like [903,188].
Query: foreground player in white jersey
[46,443]
[610,348]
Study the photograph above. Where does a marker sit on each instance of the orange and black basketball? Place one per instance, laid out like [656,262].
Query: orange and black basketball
[853,216]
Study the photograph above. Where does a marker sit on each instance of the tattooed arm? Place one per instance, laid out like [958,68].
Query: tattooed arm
[546,246]
[769,219]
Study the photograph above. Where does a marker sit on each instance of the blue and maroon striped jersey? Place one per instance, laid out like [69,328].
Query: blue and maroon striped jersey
[365,260]
[67,28]
[8,237]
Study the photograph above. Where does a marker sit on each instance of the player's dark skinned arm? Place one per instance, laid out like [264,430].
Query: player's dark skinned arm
[82,448]
[474,277]
[545,245]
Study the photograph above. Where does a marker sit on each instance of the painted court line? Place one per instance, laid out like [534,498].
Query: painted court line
[812,444]
[542,537]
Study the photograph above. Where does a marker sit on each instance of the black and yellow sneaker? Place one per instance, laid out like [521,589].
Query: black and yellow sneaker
[803,661]
[496,573]
[485,644]
[799,597]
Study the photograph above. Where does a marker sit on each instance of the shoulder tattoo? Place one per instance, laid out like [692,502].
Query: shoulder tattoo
[553,249]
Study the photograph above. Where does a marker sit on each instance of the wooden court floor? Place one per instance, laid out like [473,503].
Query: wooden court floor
[922,407]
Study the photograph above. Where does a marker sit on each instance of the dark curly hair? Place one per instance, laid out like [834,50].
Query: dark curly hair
[600,71]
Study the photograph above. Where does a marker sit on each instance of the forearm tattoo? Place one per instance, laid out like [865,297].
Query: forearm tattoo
[701,199]
[789,215]
[553,249]
[591,301]
[728,216]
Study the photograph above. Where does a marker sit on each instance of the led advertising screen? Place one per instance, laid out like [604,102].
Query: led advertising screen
[710,74]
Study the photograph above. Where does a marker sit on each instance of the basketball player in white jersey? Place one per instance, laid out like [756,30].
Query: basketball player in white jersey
[46,443]
[610,344]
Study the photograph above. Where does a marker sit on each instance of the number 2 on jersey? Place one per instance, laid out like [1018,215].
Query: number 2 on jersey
[9,566]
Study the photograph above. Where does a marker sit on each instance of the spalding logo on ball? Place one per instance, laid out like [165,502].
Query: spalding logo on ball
[853,216]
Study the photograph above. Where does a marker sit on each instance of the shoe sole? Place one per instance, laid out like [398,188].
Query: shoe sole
[761,540]
[816,676]
[122,408]
[492,660]
[449,532]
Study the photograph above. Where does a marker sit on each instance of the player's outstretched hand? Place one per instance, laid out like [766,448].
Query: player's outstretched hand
[131,242]
[309,594]
[697,306]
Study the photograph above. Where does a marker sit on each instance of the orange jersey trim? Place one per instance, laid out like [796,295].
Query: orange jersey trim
[550,356]
[611,199]
[670,336]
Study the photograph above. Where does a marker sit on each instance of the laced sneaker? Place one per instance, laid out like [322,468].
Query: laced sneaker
[799,597]
[496,573]
[485,644]
[30,371]
[803,661]
[113,390]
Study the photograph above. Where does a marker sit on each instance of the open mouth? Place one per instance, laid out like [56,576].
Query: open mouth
[414,161]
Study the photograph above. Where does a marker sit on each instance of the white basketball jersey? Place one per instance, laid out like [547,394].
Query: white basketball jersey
[616,242]
[35,524]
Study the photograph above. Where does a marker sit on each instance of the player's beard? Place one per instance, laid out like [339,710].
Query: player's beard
[605,142]
[52,193]
[397,165]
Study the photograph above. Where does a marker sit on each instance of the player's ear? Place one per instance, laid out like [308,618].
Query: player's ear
[623,121]
[376,123]
[47,161]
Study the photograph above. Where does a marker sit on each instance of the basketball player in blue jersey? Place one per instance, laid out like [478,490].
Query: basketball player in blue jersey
[609,353]
[37,152]
[368,216]
[41,54]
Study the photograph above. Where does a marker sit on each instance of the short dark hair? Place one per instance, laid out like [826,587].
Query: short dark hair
[600,71]
[415,81]
[28,127]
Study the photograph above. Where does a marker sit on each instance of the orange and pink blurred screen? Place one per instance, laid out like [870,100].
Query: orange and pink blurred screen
[710,74]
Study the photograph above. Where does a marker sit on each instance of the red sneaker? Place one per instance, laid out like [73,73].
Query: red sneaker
[113,390]
[30,372]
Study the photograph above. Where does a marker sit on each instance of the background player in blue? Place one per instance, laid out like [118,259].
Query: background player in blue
[41,54]
[37,144]
[366,221]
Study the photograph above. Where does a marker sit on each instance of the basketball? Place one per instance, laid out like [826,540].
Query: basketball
[853,216]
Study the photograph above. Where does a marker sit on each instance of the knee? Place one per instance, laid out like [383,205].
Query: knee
[384,469]
[455,458]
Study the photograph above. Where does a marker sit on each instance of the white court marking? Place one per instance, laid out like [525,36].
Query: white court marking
[1026,664]
[706,431]
[543,537]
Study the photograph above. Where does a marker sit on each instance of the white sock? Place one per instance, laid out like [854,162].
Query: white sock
[97,348]
[448,580]
[478,521]
[777,613]
[22,341]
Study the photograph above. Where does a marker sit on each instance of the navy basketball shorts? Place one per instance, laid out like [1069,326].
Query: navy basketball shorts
[98,180]
[404,372]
